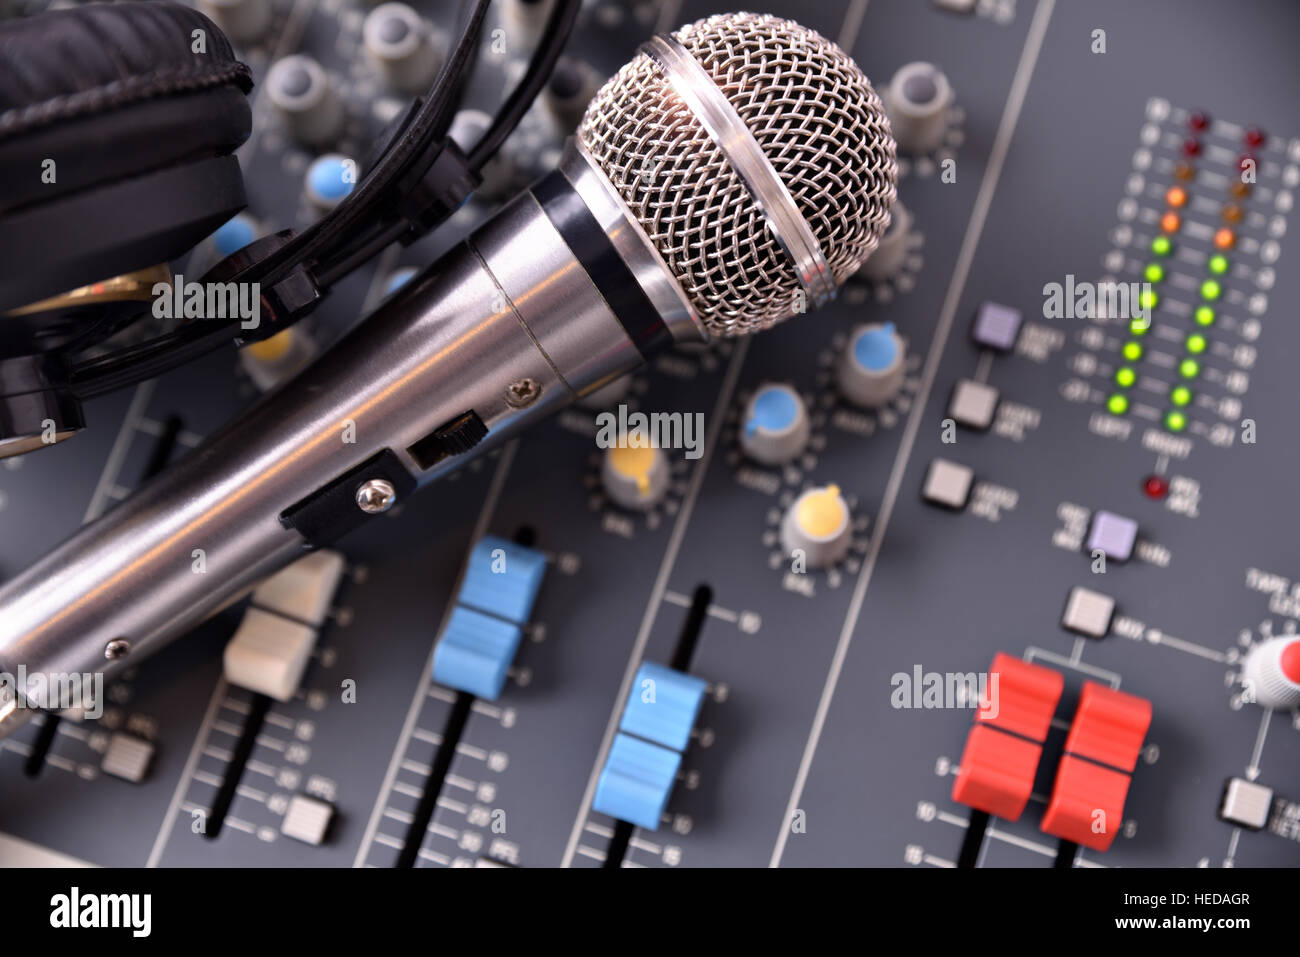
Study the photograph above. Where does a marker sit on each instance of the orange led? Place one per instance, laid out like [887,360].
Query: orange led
[1224,239]
[1176,197]
[1184,171]
[1232,213]
[1170,222]
[1240,190]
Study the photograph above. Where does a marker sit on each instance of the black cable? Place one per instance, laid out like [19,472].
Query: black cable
[434,113]
[549,48]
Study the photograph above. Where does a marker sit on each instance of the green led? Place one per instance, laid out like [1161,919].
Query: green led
[1175,421]
[1132,351]
[1154,272]
[1117,404]
[1148,299]
[1139,326]
[1161,246]
[1189,368]
[1204,316]
[1210,289]
[1125,377]
[1218,264]
[1196,343]
[1180,395]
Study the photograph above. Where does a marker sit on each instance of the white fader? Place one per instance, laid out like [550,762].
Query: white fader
[1272,671]
[270,651]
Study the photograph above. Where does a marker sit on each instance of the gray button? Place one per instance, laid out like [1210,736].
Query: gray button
[973,404]
[1088,612]
[128,757]
[1246,803]
[947,484]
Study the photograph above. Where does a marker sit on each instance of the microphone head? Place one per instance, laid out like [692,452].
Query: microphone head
[821,128]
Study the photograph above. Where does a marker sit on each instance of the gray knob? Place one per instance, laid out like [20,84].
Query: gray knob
[917,101]
[244,21]
[399,44]
[889,255]
[301,90]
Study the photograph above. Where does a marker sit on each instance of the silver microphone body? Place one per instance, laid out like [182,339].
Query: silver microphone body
[512,304]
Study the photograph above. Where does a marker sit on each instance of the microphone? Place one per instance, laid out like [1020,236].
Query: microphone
[730,176]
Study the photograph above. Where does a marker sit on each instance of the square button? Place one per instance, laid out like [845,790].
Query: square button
[996,326]
[307,819]
[1113,535]
[1246,803]
[128,757]
[973,404]
[1088,612]
[947,484]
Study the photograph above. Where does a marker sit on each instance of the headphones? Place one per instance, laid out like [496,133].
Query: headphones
[117,127]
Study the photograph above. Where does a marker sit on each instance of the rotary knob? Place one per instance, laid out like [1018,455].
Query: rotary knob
[775,427]
[917,101]
[301,90]
[871,370]
[1272,671]
[635,476]
[887,258]
[819,525]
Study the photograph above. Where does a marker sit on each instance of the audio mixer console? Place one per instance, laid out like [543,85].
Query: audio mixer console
[990,562]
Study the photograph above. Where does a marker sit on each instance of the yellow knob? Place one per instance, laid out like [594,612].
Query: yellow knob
[268,350]
[633,462]
[821,513]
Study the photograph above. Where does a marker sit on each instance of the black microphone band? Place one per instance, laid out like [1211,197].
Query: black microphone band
[610,274]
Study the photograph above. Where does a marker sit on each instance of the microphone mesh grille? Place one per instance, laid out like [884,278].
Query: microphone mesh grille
[818,121]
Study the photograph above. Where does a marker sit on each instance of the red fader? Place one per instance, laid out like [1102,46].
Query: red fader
[1087,804]
[1109,726]
[1022,697]
[997,767]
[997,772]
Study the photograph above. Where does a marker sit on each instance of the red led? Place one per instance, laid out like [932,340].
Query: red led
[1254,137]
[1156,486]
[1198,122]
[1191,148]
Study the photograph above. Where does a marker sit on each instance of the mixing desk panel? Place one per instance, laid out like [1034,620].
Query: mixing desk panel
[989,563]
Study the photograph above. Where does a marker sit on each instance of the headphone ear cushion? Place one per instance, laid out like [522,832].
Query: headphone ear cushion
[96,99]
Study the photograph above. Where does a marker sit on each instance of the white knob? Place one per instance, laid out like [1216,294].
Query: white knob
[1272,672]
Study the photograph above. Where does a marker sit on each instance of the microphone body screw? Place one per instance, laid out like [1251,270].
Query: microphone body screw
[523,392]
[375,496]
